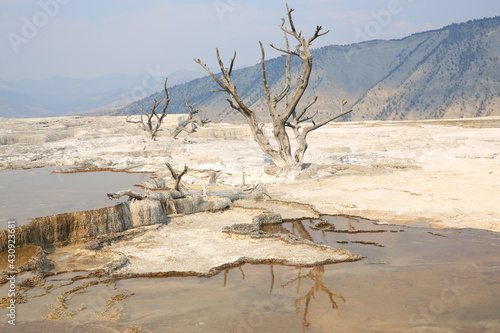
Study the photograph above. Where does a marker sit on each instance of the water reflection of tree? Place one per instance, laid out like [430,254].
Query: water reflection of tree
[226,272]
[315,274]
[350,220]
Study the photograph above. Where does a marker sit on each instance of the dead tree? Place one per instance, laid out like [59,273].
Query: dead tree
[190,124]
[177,176]
[153,121]
[131,195]
[290,116]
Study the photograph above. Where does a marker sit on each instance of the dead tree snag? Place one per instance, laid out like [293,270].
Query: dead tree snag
[152,125]
[190,124]
[177,176]
[290,95]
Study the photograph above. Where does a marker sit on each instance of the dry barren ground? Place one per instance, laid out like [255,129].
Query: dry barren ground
[446,173]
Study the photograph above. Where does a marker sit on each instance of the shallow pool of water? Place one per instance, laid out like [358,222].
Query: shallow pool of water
[411,280]
[23,254]
[32,193]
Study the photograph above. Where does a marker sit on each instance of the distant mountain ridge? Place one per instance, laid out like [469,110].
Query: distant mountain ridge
[61,95]
[452,72]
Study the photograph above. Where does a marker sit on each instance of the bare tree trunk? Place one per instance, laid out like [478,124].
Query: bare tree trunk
[282,156]
[131,195]
[179,129]
[301,135]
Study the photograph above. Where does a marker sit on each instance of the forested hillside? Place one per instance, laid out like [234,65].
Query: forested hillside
[452,72]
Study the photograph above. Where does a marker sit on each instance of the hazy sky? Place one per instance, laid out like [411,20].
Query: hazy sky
[90,38]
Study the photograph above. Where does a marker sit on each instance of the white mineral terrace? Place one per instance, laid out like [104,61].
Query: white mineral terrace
[446,173]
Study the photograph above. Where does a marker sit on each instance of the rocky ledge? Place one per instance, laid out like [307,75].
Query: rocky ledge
[191,236]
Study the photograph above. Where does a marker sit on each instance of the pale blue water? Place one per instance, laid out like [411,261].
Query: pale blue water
[39,192]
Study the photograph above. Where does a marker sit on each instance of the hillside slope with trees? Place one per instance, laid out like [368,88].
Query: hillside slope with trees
[452,72]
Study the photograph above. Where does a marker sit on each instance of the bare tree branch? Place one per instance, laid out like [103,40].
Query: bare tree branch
[142,110]
[317,34]
[177,176]
[286,89]
[285,51]
[307,108]
[190,125]
[329,120]
[150,125]
[289,13]
[232,64]
[131,195]
[267,93]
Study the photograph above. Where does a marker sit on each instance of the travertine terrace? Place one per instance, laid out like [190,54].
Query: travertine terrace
[444,172]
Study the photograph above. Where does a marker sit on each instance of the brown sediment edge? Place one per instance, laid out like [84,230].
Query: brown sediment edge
[101,273]
[92,169]
[241,204]
[239,262]
[342,231]
[368,243]
[296,204]
[96,273]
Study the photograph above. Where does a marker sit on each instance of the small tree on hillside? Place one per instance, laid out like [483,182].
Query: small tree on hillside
[290,116]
